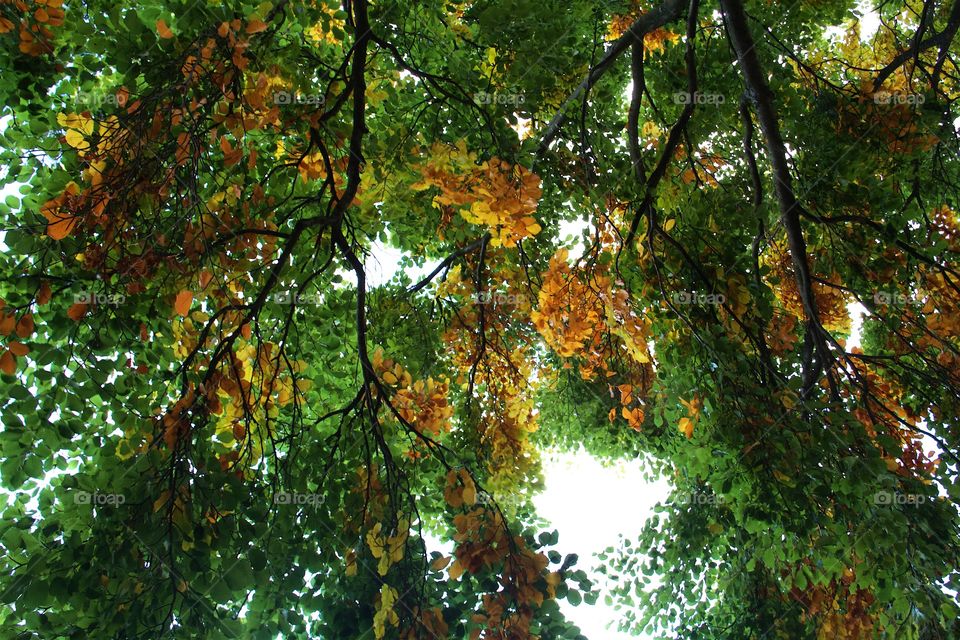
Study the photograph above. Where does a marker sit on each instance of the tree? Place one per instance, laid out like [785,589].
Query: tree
[217,425]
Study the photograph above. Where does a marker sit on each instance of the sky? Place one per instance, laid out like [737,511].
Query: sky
[591,505]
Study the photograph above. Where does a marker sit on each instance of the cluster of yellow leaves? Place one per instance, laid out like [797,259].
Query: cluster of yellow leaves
[494,193]
[75,205]
[654,41]
[580,313]
[503,371]
[250,390]
[385,614]
[688,422]
[829,296]
[388,549]
[633,415]
[37,17]
[568,311]
[422,404]
[460,489]
[318,33]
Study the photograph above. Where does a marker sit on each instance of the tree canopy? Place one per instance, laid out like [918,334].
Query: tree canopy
[217,424]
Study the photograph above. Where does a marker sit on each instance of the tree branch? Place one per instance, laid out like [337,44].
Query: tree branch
[666,13]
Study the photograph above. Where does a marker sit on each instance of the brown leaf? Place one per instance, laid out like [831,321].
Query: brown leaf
[8,363]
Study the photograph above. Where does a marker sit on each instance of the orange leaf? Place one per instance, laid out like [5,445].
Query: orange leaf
[182,304]
[8,364]
[77,311]
[59,226]
[163,30]
[256,26]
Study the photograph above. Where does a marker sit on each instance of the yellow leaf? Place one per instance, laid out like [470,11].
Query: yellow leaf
[670,224]
[161,501]
[440,563]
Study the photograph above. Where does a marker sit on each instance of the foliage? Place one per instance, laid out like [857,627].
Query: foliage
[218,424]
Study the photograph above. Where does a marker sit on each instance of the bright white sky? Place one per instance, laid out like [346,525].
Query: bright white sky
[591,505]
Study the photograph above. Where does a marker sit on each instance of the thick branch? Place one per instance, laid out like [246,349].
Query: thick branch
[941,40]
[666,13]
[790,209]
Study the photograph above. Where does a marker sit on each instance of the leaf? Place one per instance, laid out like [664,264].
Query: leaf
[44,293]
[163,30]
[440,563]
[77,311]
[18,348]
[8,363]
[182,302]
[256,26]
[25,326]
